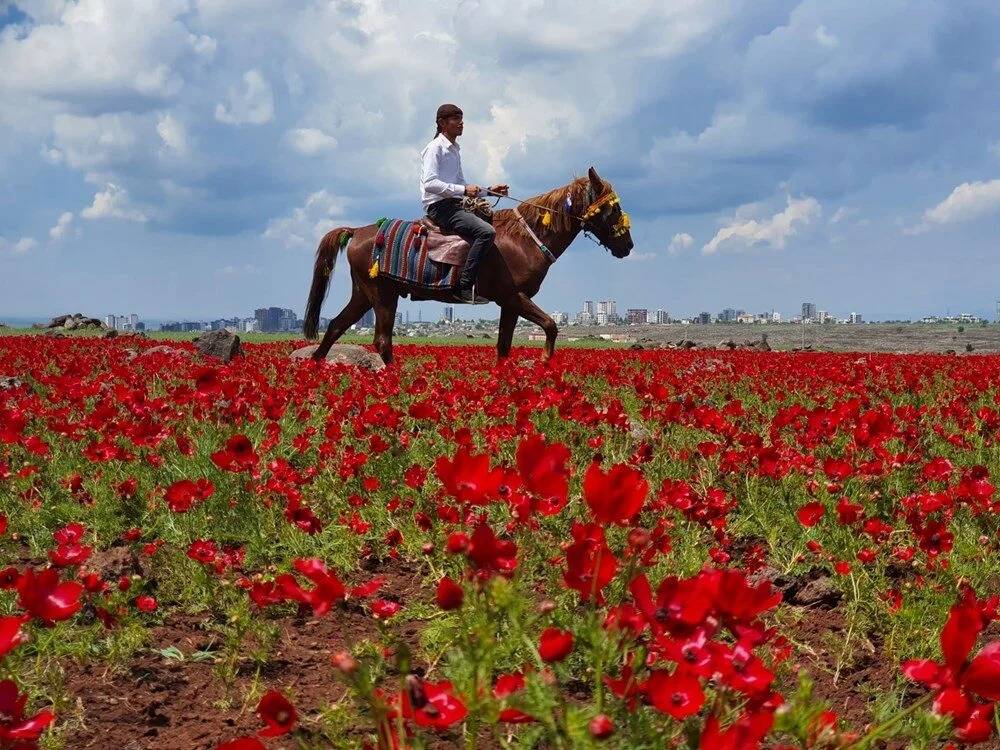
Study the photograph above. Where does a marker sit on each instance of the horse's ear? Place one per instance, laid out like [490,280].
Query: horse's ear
[596,182]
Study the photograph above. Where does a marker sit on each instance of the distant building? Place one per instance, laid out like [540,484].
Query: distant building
[608,308]
[448,314]
[730,315]
[110,321]
[268,319]
[367,320]
[703,318]
[585,318]
[588,307]
[856,318]
[661,316]
[560,318]
[636,316]
[808,311]
[822,316]
[601,318]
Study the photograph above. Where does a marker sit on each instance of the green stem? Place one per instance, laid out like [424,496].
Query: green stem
[866,741]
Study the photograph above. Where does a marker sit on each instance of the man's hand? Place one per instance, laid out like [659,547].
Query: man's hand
[499,189]
[472,190]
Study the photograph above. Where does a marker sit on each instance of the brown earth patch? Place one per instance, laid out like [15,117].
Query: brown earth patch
[157,703]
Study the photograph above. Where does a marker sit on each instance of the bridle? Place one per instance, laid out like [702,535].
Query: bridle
[595,207]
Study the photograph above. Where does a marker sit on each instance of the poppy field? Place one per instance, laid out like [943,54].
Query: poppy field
[620,549]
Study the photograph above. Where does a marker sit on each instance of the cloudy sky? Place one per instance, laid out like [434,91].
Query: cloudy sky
[182,157]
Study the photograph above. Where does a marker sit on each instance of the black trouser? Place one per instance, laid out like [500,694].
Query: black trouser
[449,215]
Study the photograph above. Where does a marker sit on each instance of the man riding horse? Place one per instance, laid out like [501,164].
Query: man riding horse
[442,186]
[396,258]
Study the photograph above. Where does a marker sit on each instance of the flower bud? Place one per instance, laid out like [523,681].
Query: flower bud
[601,727]
[344,662]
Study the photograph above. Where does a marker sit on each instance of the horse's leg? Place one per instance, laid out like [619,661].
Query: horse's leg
[508,319]
[529,310]
[385,321]
[357,306]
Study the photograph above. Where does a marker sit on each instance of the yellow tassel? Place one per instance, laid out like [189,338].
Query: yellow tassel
[546,219]
[373,271]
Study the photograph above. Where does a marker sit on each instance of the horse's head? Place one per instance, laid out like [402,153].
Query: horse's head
[605,219]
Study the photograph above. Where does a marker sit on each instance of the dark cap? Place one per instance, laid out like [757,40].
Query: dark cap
[448,110]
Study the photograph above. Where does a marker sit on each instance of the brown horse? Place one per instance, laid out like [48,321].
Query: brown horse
[509,277]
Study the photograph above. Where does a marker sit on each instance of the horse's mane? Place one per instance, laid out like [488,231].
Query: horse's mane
[506,220]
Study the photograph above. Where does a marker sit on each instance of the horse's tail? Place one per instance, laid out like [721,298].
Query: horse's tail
[326,258]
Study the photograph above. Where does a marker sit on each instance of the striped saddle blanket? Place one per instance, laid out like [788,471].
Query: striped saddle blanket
[410,252]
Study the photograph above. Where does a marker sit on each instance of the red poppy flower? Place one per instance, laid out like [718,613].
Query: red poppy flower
[183,494]
[678,694]
[490,554]
[504,687]
[432,704]
[44,596]
[449,594]
[543,469]
[616,496]
[11,635]
[468,478]
[328,587]
[555,644]
[810,513]
[383,609]
[980,676]
[590,563]
[146,603]
[17,731]
[277,712]
[237,455]
[206,380]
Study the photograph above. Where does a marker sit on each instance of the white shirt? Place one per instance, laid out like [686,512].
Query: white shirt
[441,173]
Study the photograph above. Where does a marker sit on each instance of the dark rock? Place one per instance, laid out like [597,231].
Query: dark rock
[9,383]
[55,334]
[109,334]
[58,321]
[221,344]
[347,354]
[820,592]
[70,324]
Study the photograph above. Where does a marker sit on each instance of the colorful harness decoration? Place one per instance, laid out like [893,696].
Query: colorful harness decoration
[608,200]
[400,251]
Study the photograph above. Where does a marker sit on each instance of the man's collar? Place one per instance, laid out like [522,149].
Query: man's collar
[446,143]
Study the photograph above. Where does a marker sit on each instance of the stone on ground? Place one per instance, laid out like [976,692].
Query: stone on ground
[345,354]
[221,344]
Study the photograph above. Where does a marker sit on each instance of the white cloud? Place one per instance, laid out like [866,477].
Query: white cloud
[994,148]
[310,141]
[62,226]
[773,231]
[173,134]
[97,48]
[24,245]
[842,213]
[306,224]
[113,203]
[89,142]
[968,201]
[252,104]
[825,38]
[640,256]
[680,241]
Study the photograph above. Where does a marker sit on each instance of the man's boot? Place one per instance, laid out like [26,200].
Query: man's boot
[467,296]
